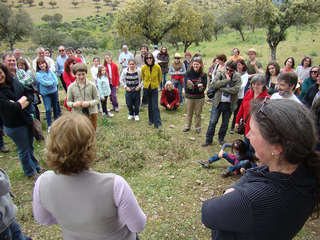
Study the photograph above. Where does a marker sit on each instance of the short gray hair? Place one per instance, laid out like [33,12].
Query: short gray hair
[261,79]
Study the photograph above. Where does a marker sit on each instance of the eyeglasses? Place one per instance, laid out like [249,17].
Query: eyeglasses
[262,107]
[314,71]
[229,70]
[197,58]
[61,50]
[148,58]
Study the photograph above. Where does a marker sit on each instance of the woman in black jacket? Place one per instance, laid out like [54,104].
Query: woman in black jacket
[17,121]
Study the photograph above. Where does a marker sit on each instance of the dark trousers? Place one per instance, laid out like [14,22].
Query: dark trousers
[153,107]
[63,83]
[235,113]
[133,102]
[104,105]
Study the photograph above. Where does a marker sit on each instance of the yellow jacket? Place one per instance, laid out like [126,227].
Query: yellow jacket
[153,78]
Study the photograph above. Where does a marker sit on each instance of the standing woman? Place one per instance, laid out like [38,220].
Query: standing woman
[14,98]
[257,91]
[68,77]
[131,80]
[242,70]
[151,76]
[48,83]
[195,82]
[222,58]
[272,74]
[177,71]
[187,62]
[163,61]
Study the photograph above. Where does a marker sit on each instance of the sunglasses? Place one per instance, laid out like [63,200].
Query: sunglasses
[176,58]
[148,58]
[229,70]
[61,50]
[197,58]
[262,107]
[314,71]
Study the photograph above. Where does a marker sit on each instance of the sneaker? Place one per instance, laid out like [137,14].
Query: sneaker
[136,118]
[205,163]
[100,110]
[4,149]
[48,129]
[232,130]
[34,176]
[130,117]
[186,130]
[110,115]
[103,114]
[225,174]
[221,142]
[116,109]
[206,143]
[198,130]
[112,109]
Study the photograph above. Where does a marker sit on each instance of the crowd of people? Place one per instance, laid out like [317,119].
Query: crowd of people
[272,107]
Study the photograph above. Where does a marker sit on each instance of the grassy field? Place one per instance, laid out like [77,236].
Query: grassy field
[162,169]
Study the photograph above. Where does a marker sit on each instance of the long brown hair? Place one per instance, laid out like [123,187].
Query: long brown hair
[99,71]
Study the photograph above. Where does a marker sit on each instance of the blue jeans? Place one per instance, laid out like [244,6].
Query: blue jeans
[23,138]
[179,87]
[245,163]
[223,108]
[153,107]
[248,144]
[47,100]
[163,80]
[133,102]
[13,232]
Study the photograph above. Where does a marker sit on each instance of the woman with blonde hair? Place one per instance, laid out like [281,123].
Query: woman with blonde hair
[87,204]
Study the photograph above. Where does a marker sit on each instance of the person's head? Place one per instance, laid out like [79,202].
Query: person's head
[258,83]
[231,67]
[239,146]
[125,48]
[283,131]
[149,59]
[155,47]
[47,52]
[96,61]
[289,63]
[164,50]
[306,62]
[70,51]
[287,83]
[40,52]
[132,64]
[71,144]
[241,65]
[69,64]
[101,71]
[107,58]
[313,73]
[177,57]
[5,76]
[42,65]
[80,70]
[236,52]
[78,53]
[22,64]
[187,55]
[273,69]
[17,53]
[197,65]
[62,51]
[144,49]
[252,54]
[169,86]
[222,58]
[9,61]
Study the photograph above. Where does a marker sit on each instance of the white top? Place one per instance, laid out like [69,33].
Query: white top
[302,73]
[244,81]
[278,96]
[94,72]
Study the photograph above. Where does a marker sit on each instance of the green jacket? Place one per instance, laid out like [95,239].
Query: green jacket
[220,82]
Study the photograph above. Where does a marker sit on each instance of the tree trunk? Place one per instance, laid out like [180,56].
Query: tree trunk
[273,52]
[240,31]
[177,47]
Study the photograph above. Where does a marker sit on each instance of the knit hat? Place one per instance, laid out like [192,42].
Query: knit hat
[187,54]
[155,46]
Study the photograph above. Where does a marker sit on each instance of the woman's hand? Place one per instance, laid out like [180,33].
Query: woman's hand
[229,190]
[242,170]
[137,88]
[200,85]
[189,82]
[23,102]
[237,125]
[117,87]
[103,99]
[168,106]
[128,89]
[220,154]
[85,104]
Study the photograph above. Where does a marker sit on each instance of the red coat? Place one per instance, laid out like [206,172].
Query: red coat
[115,73]
[245,108]
[168,98]
[68,79]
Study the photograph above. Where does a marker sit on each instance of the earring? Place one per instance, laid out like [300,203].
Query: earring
[272,153]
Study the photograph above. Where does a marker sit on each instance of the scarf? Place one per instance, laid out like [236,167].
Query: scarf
[175,66]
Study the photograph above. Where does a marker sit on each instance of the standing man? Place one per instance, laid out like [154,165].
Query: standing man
[17,55]
[227,84]
[124,57]
[140,57]
[60,65]
[236,55]
[70,53]
[155,53]
[113,75]
[286,85]
[40,53]
[253,66]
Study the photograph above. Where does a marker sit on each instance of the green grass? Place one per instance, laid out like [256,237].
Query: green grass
[161,168]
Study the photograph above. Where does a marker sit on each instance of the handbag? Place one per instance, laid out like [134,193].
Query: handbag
[241,128]
[211,91]
[36,128]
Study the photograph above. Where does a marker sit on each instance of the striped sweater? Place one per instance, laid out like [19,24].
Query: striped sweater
[264,205]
